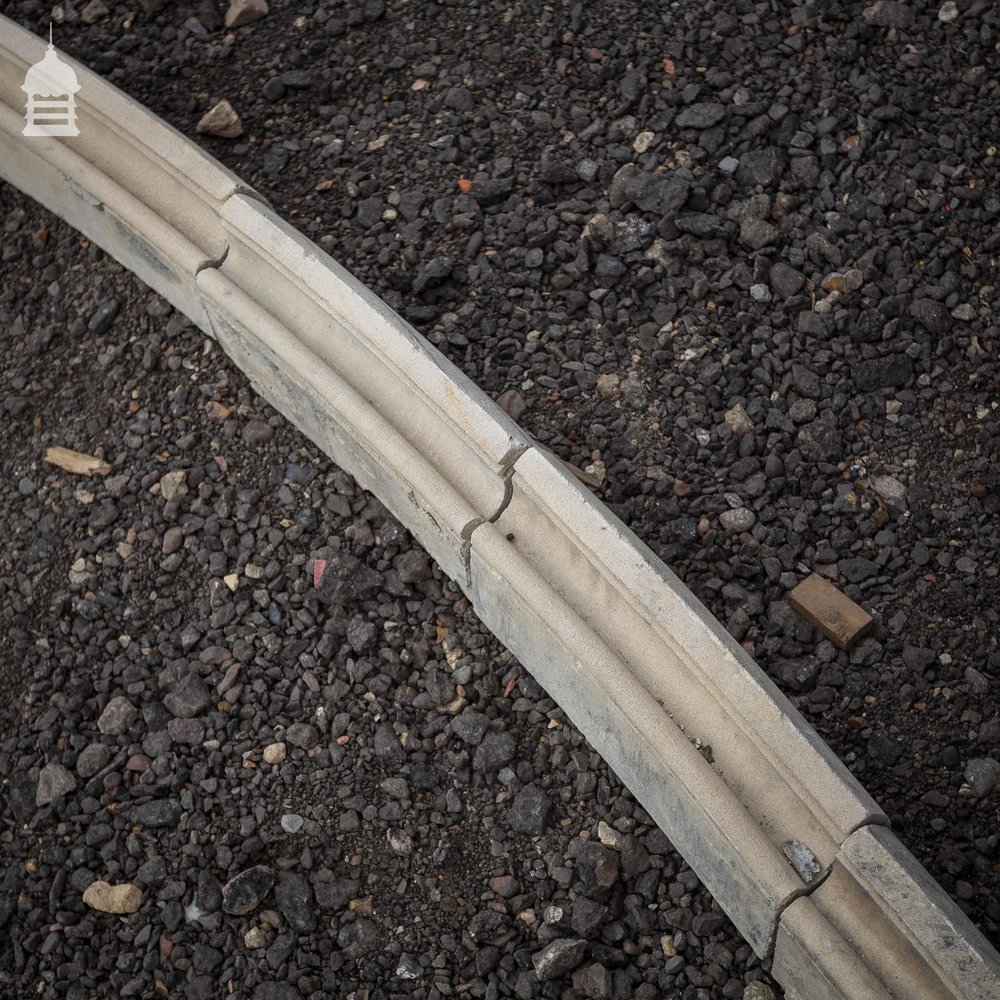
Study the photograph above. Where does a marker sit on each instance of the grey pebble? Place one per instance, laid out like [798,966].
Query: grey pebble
[54,782]
[292,822]
[117,717]
[558,958]
[982,775]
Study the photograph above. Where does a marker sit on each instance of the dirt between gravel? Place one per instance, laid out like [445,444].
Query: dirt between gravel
[624,223]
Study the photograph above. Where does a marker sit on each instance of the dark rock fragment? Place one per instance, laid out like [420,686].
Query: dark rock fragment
[245,891]
[530,811]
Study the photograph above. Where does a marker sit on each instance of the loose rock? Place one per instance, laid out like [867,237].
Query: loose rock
[558,958]
[117,717]
[54,782]
[982,775]
[123,898]
[244,892]
[242,12]
[530,811]
[221,120]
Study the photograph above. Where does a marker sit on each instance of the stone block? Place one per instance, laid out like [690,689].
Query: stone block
[383,403]
[880,905]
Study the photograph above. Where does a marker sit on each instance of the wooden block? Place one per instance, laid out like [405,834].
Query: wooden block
[841,620]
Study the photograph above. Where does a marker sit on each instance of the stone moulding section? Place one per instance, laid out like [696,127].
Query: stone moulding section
[649,675]
[360,382]
[880,905]
[789,843]
[135,186]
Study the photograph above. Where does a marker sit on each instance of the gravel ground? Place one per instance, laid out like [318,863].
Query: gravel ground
[739,262]
[332,791]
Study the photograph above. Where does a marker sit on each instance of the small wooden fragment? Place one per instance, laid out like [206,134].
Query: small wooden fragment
[841,620]
[76,462]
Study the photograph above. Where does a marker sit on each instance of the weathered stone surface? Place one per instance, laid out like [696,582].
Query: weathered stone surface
[875,880]
[605,621]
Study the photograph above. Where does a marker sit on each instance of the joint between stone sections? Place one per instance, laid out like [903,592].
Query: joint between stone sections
[807,889]
[871,821]
[247,192]
[471,527]
[508,493]
[507,469]
[213,263]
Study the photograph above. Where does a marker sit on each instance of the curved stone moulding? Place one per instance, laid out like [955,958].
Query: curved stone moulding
[360,382]
[879,926]
[717,756]
[135,186]
[622,606]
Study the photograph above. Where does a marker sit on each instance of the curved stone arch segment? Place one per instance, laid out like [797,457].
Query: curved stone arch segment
[792,846]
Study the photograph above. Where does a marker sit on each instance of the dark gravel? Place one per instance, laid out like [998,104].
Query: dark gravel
[771,334]
[319,792]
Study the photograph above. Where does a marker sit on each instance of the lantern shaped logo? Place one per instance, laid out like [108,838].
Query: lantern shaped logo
[50,85]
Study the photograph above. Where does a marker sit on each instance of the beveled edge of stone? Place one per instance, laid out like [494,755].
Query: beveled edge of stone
[952,947]
[813,961]
[881,905]
[460,403]
[93,203]
[315,398]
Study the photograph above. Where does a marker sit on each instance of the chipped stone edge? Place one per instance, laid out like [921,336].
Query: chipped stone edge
[818,947]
